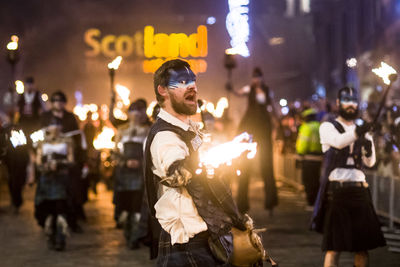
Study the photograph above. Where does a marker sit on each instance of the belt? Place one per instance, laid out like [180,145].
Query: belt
[337,184]
[198,241]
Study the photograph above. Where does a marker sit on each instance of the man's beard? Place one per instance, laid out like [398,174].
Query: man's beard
[181,107]
[349,116]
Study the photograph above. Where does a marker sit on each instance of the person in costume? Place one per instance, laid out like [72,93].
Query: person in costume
[54,157]
[192,216]
[258,121]
[344,212]
[129,186]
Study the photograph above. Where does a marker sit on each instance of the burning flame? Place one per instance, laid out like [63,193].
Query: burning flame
[37,136]
[45,97]
[226,152]
[150,108]
[216,110]
[95,116]
[19,87]
[13,45]
[123,92]
[104,139]
[115,63]
[17,138]
[104,112]
[384,71]
[222,104]
[93,108]
[81,111]
[210,107]
[119,114]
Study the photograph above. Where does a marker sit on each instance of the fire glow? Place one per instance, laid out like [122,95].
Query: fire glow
[123,92]
[17,138]
[384,71]
[224,153]
[115,63]
[104,139]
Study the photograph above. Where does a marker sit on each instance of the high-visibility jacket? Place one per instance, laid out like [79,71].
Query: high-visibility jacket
[308,141]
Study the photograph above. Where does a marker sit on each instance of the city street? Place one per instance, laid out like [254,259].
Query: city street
[24,244]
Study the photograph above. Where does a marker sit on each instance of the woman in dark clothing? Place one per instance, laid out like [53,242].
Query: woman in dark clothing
[128,174]
[54,158]
[257,121]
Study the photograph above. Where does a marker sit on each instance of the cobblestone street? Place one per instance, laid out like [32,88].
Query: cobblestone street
[23,243]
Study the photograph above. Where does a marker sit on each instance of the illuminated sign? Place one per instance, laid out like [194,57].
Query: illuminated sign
[155,47]
[237,24]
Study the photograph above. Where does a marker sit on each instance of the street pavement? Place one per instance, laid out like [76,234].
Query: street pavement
[288,240]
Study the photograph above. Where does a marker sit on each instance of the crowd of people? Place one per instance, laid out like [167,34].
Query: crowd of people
[156,153]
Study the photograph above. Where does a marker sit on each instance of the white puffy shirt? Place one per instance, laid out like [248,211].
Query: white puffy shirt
[175,209]
[330,137]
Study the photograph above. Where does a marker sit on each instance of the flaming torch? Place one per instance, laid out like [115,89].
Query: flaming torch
[104,139]
[112,66]
[388,75]
[225,153]
[17,138]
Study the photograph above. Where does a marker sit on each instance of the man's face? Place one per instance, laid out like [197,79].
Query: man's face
[348,105]
[29,86]
[256,80]
[137,116]
[182,91]
[57,104]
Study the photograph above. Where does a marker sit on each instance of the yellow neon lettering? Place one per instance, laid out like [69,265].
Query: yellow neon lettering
[124,45]
[105,45]
[178,45]
[138,37]
[202,41]
[161,45]
[90,40]
[149,41]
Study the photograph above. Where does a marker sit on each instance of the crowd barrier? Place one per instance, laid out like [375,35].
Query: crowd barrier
[385,191]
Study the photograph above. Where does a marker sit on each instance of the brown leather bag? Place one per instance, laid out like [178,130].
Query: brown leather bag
[248,249]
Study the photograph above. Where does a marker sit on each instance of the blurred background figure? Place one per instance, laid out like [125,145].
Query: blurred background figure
[257,121]
[30,106]
[54,156]
[77,191]
[91,129]
[309,148]
[128,174]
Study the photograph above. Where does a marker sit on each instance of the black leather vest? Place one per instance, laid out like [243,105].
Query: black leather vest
[338,158]
[219,218]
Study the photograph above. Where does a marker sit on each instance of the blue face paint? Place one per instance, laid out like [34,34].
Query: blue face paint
[348,97]
[181,79]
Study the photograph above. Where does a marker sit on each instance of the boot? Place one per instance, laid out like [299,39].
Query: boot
[134,237]
[61,233]
[49,231]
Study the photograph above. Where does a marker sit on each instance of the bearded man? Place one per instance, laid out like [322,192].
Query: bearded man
[189,209]
[344,211]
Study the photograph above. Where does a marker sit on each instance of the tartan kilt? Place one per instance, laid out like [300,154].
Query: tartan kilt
[351,223]
[194,253]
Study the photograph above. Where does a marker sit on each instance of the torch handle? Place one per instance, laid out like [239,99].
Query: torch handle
[382,104]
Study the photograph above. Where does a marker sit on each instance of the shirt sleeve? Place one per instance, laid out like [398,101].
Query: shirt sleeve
[370,161]
[330,137]
[165,149]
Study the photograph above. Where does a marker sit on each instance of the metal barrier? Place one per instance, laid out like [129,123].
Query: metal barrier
[385,191]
